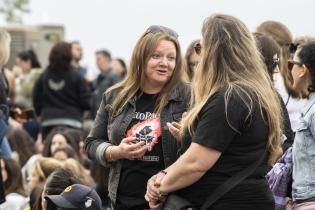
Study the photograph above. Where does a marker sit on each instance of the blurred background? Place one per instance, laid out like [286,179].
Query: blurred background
[116,25]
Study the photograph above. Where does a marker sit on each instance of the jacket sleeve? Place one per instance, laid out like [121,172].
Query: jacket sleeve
[97,141]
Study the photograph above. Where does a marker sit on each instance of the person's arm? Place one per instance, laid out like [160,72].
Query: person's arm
[189,168]
[100,149]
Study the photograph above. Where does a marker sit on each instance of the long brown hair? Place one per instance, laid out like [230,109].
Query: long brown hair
[230,59]
[135,77]
[282,35]
[14,182]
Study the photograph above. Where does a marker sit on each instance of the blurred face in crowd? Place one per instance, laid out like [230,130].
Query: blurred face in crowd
[25,66]
[117,67]
[77,52]
[103,62]
[4,172]
[33,181]
[161,65]
[301,75]
[60,155]
[193,61]
[57,141]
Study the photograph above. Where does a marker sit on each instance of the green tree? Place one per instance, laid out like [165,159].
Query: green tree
[13,10]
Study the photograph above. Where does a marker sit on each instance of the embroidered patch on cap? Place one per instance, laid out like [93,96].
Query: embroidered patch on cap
[68,189]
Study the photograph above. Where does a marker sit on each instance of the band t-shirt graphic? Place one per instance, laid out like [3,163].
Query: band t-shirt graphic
[148,131]
[146,126]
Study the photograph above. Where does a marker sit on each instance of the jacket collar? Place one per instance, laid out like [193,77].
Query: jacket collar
[175,96]
[310,102]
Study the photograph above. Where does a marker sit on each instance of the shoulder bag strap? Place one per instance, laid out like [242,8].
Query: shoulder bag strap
[232,182]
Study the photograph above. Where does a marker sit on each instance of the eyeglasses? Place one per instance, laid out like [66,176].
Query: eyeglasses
[292,63]
[197,48]
[156,29]
[292,47]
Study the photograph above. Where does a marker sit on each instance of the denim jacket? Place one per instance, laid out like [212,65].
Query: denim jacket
[303,186]
[109,130]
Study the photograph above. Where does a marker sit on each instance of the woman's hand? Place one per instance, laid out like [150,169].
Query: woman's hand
[174,128]
[127,149]
[153,193]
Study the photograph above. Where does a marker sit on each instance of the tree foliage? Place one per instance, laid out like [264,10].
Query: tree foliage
[13,10]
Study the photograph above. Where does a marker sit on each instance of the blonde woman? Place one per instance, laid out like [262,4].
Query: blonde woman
[236,117]
[129,134]
[42,169]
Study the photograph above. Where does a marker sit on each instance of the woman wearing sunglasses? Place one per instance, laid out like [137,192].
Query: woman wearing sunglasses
[130,133]
[233,125]
[270,50]
[303,72]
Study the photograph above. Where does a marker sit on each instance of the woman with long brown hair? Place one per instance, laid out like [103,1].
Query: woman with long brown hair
[130,132]
[234,125]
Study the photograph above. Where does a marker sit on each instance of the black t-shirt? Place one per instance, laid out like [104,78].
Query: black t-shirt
[135,173]
[241,138]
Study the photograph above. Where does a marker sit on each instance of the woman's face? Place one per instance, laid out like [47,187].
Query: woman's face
[160,66]
[57,141]
[193,61]
[24,65]
[301,76]
[117,67]
[33,181]
[4,172]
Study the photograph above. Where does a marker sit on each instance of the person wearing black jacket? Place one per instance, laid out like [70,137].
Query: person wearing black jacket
[60,95]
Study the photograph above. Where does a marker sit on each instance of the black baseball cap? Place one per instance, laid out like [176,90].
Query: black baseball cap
[77,196]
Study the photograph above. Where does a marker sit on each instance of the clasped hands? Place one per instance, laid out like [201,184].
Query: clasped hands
[153,194]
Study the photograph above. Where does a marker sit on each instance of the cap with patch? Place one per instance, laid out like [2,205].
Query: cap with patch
[77,196]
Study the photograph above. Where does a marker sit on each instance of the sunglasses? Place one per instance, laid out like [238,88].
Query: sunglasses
[197,48]
[156,29]
[292,63]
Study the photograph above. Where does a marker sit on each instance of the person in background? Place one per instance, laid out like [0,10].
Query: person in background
[22,145]
[270,52]
[42,169]
[130,134]
[55,184]
[31,69]
[60,95]
[219,142]
[77,54]
[302,67]
[119,66]
[191,59]
[76,197]
[14,191]
[283,79]
[106,78]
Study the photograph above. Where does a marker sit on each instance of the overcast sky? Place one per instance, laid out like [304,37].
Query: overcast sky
[117,24]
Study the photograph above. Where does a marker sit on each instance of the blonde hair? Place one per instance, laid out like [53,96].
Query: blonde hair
[79,171]
[5,40]
[45,166]
[282,35]
[135,78]
[230,59]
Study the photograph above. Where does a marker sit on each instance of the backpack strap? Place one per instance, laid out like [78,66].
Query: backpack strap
[232,182]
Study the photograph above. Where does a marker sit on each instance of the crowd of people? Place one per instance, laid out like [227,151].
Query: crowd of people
[194,130]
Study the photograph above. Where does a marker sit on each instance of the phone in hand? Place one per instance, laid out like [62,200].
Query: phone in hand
[26,114]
